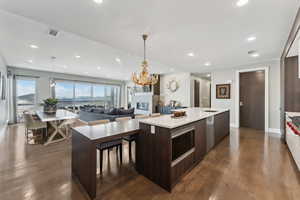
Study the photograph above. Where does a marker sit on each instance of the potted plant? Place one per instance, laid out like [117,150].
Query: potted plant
[50,105]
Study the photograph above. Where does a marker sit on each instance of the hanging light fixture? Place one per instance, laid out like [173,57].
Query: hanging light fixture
[52,81]
[144,78]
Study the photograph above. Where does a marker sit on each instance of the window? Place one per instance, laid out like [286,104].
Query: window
[82,93]
[25,95]
[64,90]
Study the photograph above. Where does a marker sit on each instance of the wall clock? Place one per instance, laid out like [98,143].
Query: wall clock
[173,85]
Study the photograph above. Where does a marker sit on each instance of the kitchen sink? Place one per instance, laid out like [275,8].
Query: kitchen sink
[212,111]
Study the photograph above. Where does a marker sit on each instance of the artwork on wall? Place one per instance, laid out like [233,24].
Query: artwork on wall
[223,91]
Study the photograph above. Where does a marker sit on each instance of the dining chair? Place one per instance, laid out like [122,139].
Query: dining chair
[141,116]
[120,119]
[155,115]
[80,122]
[97,122]
[107,145]
[33,125]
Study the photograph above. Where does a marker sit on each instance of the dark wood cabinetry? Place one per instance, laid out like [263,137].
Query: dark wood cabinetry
[165,155]
[153,155]
[289,88]
[200,140]
[292,85]
[221,126]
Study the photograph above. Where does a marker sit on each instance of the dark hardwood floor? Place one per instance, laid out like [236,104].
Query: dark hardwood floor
[246,165]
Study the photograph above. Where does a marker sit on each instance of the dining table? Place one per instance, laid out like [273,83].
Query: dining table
[56,122]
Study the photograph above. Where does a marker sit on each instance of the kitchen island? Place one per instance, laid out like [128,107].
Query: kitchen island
[167,148]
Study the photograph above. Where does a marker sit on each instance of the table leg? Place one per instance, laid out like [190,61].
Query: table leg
[57,130]
[84,163]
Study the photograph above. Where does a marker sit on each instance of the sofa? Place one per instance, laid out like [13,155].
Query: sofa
[165,110]
[92,114]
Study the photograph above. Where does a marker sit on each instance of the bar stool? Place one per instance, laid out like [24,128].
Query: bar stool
[129,138]
[107,145]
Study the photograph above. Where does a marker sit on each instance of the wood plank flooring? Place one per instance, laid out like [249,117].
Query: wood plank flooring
[247,165]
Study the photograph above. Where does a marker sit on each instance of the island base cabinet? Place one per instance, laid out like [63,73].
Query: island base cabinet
[221,126]
[181,168]
[153,155]
[165,155]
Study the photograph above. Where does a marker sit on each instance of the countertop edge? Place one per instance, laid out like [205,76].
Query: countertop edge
[148,122]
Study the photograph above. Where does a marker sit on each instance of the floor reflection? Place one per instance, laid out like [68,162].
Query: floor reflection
[247,165]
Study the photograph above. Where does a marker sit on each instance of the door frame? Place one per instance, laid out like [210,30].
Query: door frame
[237,97]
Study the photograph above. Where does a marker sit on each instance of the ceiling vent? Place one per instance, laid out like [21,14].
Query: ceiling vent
[53,32]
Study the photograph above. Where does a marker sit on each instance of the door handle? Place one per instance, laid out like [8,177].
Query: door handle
[241,103]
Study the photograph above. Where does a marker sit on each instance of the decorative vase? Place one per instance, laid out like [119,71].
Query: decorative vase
[50,109]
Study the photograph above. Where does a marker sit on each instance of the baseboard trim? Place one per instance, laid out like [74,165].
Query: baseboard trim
[275,132]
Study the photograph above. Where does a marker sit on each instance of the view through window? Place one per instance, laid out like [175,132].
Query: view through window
[26,95]
[81,93]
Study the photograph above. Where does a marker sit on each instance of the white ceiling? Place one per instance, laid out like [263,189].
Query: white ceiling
[215,30]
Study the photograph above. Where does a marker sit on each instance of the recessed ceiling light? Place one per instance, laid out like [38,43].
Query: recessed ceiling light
[207,64]
[251,38]
[241,3]
[33,46]
[77,56]
[30,61]
[98,1]
[118,60]
[191,54]
[208,75]
[253,53]
[99,68]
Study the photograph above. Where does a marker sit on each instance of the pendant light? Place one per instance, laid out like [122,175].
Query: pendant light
[144,78]
[52,82]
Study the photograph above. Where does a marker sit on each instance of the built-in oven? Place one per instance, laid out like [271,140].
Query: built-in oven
[183,144]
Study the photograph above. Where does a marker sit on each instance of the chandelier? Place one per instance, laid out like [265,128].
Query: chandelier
[144,78]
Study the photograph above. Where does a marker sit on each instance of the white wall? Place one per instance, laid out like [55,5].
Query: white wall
[228,76]
[184,92]
[3,103]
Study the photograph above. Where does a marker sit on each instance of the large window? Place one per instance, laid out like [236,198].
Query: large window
[64,90]
[81,93]
[25,95]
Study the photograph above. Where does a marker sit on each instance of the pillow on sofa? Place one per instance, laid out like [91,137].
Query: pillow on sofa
[112,111]
[126,112]
[97,110]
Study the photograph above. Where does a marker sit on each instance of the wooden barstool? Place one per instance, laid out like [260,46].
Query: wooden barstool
[107,145]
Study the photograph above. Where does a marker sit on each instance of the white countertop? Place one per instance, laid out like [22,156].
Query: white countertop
[293,114]
[59,115]
[192,115]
